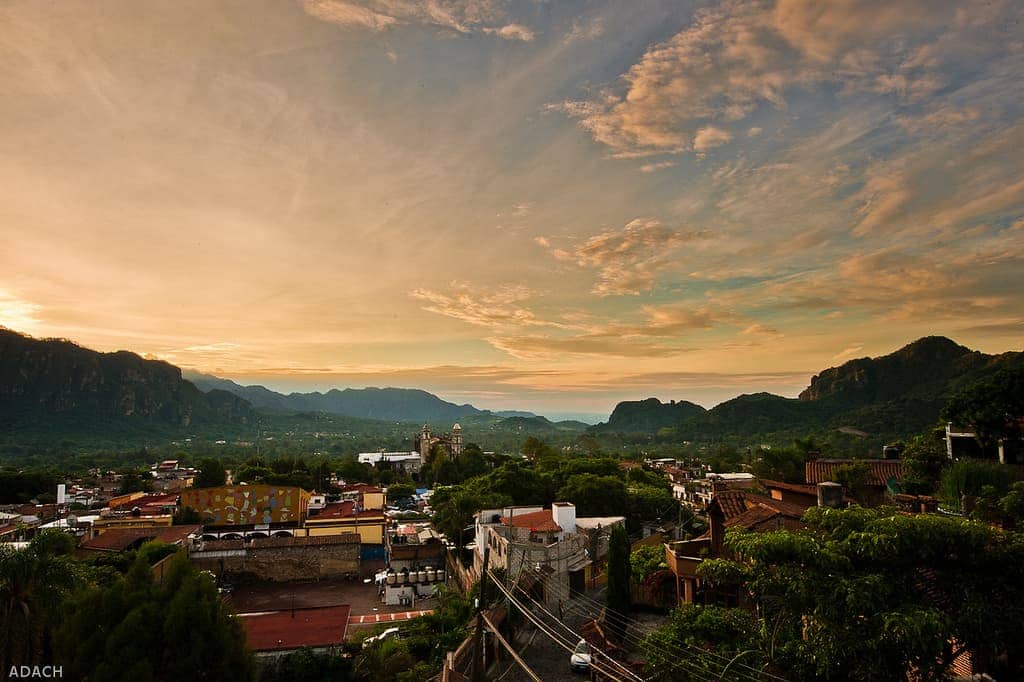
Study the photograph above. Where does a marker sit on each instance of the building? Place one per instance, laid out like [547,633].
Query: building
[451,442]
[883,474]
[411,547]
[258,507]
[697,494]
[552,542]
[962,442]
[416,563]
[728,509]
[275,633]
[407,463]
[337,518]
[125,539]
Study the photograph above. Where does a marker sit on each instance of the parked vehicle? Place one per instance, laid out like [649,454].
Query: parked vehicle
[390,633]
[579,660]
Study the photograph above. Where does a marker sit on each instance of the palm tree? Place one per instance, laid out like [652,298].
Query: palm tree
[33,585]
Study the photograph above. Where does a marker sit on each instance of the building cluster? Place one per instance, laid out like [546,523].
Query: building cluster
[555,551]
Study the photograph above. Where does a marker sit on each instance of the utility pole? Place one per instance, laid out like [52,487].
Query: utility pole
[478,671]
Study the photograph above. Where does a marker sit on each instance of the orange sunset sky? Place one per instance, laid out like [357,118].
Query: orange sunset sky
[536,204]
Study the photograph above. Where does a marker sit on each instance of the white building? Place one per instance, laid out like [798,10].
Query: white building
[551,543]
[405,462]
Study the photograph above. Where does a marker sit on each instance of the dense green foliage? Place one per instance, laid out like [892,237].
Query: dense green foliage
[34,584]
[865,595]
[645,560]
[617,596]
[993,406]
[135,629]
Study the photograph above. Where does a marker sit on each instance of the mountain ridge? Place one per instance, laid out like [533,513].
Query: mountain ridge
[892,395]
[47,379]
[384,403]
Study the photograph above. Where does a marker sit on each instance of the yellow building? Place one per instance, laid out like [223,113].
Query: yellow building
[244,505]
[342,517]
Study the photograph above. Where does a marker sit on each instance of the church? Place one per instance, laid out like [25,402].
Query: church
[451,442]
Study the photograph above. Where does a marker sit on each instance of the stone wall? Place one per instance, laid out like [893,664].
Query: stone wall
[281,559]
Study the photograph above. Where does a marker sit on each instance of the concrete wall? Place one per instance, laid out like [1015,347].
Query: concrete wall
[311,562]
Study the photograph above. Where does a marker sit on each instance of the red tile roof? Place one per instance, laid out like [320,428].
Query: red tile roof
[540,521]
[879,470]
[147,502]
[293,629]
[731,502]
[757,512]
[802,488]
[120,539]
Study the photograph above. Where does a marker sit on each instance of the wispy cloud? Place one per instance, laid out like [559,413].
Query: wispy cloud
[735,58]
[461,16]
[627,260]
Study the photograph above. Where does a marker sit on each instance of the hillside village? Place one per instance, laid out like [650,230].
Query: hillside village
[582,564]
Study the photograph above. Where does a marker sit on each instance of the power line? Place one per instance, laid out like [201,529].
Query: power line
[552,635]
[624,622]
[615,663]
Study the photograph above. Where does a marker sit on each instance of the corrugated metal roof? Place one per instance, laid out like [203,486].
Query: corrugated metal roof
[293,629]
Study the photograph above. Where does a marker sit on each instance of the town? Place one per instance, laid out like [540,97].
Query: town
[621,569]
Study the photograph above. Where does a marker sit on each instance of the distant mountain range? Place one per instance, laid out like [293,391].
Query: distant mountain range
[389,404]
[55,384]
[899,394]
[53,387]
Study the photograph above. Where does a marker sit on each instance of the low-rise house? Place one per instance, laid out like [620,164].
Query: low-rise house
[882,475]
[338,518]
[548,541]
[124,539]
[697,494]
[728,509]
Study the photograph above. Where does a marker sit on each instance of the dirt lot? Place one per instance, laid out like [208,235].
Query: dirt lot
[362,597]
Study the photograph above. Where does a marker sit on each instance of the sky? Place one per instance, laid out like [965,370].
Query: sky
[523,204]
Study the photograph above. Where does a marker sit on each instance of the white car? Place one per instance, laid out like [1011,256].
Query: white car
[387,634]
[579,661]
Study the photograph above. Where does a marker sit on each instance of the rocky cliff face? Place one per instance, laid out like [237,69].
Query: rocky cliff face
[933,360]
[55,376]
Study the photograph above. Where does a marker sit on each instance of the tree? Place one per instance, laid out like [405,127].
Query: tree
[779,464]
[619,569]
[924,459]
[397,491]
[646,560]
[970,477]
[34,582]
[993,407]
[874,594]
[534,448]
[134,629]
[853,477]
[211,473]
[306,665]
[595,495]
[702,643]
[133,481]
